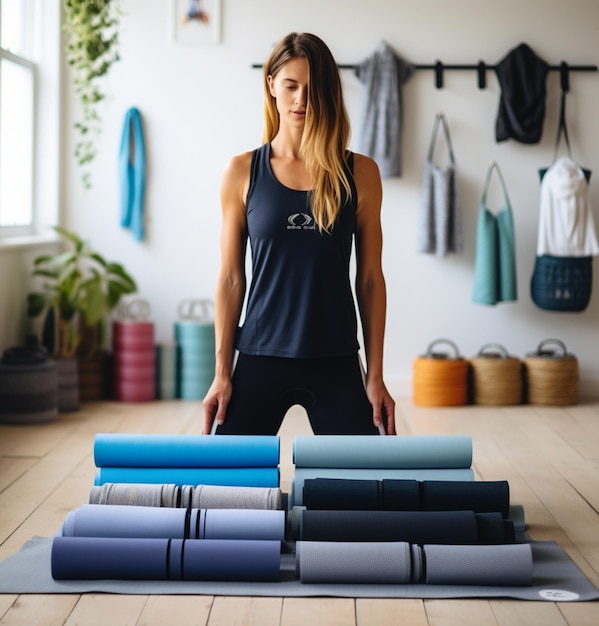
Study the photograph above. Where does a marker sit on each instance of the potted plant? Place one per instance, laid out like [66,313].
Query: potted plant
[79,291]
[91,28]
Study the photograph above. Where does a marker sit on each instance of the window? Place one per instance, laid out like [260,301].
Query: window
[29,99]
[17,96]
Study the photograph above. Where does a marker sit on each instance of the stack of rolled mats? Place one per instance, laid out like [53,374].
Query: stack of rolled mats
[416,457]
[236,460]
[379,524]
[157,543]
[177,507]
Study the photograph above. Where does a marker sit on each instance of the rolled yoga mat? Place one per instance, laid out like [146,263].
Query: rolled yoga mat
[442,527]
[407,495]
[98,558]
[232,477]
[507,565]
[324,562]
[303,474]
[399,452]
[95,520]
[402,563]
[199,497]
[197,451]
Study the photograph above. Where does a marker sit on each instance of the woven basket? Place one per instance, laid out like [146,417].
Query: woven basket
[440,379]
[497,378]
[551,375]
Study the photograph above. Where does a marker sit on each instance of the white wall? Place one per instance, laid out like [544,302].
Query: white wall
[202,104]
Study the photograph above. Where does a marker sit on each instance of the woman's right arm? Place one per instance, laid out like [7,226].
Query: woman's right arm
[230,286]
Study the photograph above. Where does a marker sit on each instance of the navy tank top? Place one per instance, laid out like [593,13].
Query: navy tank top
[300,303]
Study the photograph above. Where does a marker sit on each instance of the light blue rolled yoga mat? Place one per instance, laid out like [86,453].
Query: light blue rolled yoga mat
[399,452]
[231,477]
[304,473]
[197,451]
[100,558]
[106,520]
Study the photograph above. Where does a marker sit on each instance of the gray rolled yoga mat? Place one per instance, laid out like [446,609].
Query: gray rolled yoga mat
[402,563]
[198,497]
[325,562]
[95,520]
[399,452]
[507,565]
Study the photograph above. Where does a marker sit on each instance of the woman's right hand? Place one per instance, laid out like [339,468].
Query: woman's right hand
[215,403]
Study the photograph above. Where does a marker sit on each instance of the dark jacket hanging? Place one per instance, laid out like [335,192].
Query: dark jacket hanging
[522,76]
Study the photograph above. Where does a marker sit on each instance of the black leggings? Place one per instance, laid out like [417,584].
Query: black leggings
[330,389]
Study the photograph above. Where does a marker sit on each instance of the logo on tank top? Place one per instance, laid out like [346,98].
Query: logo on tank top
[300,221]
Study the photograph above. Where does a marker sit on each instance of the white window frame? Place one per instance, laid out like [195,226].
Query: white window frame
[45,65]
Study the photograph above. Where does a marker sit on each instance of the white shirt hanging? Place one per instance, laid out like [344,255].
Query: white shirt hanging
[566,225]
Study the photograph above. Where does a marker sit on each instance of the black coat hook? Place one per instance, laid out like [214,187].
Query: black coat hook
[564,77]
[482,74]
[439,75]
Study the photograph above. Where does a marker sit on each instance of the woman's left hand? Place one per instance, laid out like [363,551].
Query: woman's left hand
[383,406]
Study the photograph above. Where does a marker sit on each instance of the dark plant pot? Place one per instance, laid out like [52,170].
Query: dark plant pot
[68,385]
[28,393]
[95,377]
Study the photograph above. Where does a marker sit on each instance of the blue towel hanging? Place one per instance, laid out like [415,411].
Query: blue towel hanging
[132,171]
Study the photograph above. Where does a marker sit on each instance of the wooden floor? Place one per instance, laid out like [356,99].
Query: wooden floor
[550,456]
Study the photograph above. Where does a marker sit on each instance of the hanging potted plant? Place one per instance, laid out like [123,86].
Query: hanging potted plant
[79,291]
[91,27]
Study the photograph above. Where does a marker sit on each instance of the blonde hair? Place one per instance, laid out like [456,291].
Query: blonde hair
[327,129]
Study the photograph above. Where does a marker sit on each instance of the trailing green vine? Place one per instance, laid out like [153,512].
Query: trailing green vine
[91,27]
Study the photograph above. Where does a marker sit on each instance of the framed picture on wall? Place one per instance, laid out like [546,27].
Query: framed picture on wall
[196,21]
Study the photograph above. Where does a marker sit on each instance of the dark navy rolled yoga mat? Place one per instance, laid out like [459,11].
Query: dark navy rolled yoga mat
[235,476]
[205,451]
[97,558]
[443,527]
[407,495]
[305,473]
[105,520]
[399,452]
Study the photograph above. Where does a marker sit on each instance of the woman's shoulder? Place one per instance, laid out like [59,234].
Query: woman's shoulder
[366,172]
[363,163]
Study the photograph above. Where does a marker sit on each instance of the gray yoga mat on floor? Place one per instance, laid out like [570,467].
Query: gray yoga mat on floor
[555,578]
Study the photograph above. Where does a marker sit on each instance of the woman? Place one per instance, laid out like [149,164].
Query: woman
[301,198]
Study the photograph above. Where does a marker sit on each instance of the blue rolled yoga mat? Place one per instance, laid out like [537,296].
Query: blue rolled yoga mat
[105,520]
[197,451]
[402,563]
[232,477]
[399,452]
[97,558]
[303,474]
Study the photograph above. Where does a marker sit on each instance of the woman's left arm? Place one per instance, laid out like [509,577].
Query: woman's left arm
[370,287]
